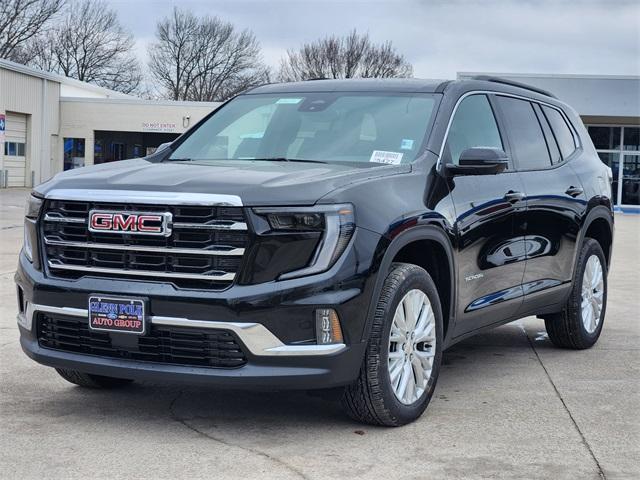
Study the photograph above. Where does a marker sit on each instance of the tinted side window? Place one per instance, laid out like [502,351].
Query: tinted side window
[473,126]
[525,134]
[552,145]
[561,131]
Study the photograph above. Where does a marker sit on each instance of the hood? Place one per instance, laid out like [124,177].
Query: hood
[255,182]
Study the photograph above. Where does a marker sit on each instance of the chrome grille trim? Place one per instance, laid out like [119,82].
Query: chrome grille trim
[205,249]
[231,251]
[212,226]
[152,198]
[48,217]
[218,276]
[178,225]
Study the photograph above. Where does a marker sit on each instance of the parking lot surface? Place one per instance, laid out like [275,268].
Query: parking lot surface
[507,405]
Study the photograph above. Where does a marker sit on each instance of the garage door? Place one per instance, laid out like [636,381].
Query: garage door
[15,141]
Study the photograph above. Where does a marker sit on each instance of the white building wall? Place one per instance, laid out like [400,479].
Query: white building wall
[32,96]
[81,117]
[71,90]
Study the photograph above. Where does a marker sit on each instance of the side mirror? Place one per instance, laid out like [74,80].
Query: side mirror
[479,161]
[162,146]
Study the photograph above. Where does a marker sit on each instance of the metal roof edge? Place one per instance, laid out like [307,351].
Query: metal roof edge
[467,75]
[140,101]
[54,77]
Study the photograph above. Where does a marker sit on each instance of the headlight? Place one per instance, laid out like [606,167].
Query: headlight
[31,212]
[26,246]
[296,221]
[336,222]
[32,209]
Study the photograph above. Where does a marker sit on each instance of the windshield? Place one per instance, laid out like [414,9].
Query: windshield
[327,127]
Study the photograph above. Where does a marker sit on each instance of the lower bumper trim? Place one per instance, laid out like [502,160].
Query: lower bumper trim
[256,337]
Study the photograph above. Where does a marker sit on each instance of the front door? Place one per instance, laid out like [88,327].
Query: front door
[489,212]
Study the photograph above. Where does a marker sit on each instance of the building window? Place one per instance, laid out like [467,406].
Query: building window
[14,149]
[619,148]
[111,146]
[630,194]
[73,153]
[98,151]
[118,151]
[631,138]
[138,151]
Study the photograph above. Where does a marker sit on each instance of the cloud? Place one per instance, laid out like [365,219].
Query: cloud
[440,38]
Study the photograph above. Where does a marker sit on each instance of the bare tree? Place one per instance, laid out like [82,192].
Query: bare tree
[352,56]
[90,45]
[203,58]
[21,21]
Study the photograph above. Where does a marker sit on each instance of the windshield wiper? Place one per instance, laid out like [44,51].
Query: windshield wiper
[271,159]
[285,159]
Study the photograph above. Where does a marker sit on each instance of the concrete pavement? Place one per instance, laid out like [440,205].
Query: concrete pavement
[508,405]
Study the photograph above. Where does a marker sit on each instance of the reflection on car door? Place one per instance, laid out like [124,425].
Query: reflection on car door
[542,144]
[489,212]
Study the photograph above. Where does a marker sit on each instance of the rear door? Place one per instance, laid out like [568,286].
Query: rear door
[542,144]
[489,210]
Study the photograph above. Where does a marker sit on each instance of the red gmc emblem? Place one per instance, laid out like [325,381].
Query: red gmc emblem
[130,222]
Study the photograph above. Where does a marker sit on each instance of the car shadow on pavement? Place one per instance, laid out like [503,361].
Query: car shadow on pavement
[201,408]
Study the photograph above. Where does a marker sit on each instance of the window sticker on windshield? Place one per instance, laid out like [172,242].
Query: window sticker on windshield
[406,144]
[390,158]
[288,101]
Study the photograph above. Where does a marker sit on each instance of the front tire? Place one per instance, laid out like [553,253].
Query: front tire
[92,381]
[402,360]
[579,324]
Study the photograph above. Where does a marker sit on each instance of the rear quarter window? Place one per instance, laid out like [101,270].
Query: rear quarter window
[552,144]
[561,130]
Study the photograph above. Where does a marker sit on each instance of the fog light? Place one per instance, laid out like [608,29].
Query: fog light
[328,329]
[25,316]
[21,303]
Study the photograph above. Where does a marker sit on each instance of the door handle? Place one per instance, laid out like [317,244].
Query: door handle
[574,191]
[513,197]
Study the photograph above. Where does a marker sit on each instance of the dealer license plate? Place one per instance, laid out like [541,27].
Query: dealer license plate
[110,314]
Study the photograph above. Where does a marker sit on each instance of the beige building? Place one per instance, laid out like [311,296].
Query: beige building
[50,123]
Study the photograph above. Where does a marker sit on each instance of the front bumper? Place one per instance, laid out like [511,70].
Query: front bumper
[315,372]
[273,322]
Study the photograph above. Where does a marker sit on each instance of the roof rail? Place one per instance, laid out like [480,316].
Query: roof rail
[504,81]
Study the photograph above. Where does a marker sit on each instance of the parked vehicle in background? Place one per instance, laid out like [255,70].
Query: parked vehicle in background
[323,234]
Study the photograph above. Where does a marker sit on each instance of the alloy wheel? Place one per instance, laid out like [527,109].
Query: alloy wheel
[592,293]
[412,346]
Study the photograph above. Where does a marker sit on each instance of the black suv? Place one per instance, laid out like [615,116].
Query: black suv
[323,234]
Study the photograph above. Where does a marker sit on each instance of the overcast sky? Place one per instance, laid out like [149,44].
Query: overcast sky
[438,37]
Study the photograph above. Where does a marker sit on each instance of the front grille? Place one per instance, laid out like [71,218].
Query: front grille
[204,250]
[162,344]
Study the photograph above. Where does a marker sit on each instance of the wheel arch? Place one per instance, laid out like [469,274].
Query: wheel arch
[428,247]
[598,225]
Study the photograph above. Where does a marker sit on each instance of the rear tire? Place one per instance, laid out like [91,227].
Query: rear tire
[579,324]
[411,356]
[92,381]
